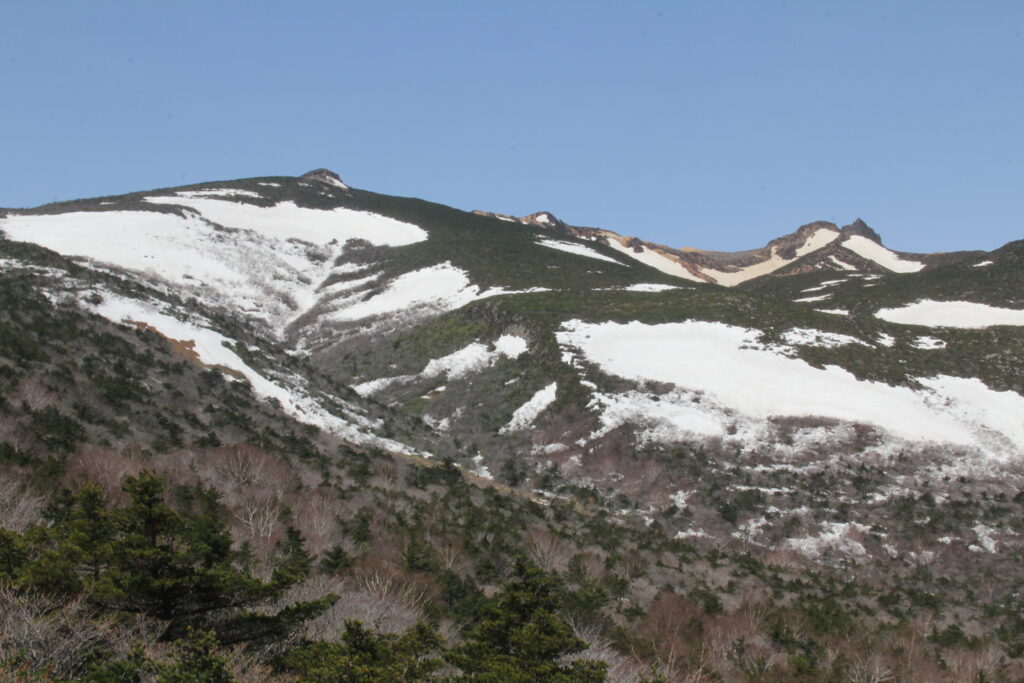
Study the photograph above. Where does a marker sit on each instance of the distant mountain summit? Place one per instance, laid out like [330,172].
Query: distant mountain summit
[817,246]
[328,177]
[859,227]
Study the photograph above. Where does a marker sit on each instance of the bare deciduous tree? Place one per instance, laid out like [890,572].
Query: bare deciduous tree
[547,550]
[57,638]
[19,508]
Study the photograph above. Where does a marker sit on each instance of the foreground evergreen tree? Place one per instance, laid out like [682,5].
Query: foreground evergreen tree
[362,656]
[147,558]
[523,637]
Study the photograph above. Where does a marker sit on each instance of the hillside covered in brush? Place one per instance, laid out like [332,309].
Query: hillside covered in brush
[281,428]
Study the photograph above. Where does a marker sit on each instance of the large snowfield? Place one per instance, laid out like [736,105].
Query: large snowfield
[285,221]
[751,382]
[265,261]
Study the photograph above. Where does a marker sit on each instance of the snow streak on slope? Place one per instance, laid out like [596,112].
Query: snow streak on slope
[468,360]
[524,416]
[578,249]
[873,251]
[842,264]
[474,358]
[434,289]
[962,314]
[212,349]
[655,260]
[747,382]
[817,240]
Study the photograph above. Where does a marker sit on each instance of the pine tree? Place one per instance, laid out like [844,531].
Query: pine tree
[523,637]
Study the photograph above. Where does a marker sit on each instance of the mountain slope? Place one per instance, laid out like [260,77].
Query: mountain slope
[331,272]
[839,406]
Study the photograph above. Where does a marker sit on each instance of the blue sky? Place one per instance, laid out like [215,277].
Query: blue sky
[711,124]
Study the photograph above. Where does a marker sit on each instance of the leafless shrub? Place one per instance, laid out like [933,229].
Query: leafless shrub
[869,667]
[674,626]
[33,394]
[258,511]
[58,638]
[244,465]
[316,517]
[386,475]
[451,554]
[104,467]
[19,507]
[13,432]
[785,558]
[547,550]
[387,604]
[975,665]
[621,668]
[590,563]
[249,666]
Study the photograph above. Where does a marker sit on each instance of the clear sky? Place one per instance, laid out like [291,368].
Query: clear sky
[711,124]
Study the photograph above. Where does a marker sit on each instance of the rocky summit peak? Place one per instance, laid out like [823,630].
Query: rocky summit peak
[859,227]
[544,218]
[326,176]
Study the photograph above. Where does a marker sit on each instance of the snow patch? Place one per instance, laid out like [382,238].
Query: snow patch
[960,314]
[928,343]
[442,288]
[834,537]
[873,251]
[654,259]
[511,345]
[219,192]
[986,539]
[528,412]
[577,249]
[375,385]
[271,272]
[749,383]
[802,336]
[649,287]
[468,360]
[287,221]
[465,361]
[673,417]
[481,469]
[842,264]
